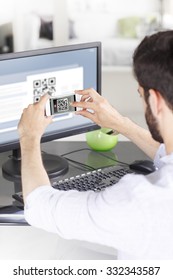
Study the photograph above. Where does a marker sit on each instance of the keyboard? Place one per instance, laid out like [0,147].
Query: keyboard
[96,180]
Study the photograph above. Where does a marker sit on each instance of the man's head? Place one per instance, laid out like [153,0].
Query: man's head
[153,68]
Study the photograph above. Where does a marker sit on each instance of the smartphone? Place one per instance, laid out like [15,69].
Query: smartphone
[60,105]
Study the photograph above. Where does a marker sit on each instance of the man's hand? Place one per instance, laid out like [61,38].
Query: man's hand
[33,121]
[101,112]
[98,109]
[32,125]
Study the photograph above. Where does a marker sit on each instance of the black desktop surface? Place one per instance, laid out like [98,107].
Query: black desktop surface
[124,151]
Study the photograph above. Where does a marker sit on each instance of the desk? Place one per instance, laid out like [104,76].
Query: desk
[25,242]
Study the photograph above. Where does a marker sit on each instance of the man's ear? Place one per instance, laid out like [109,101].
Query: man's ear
[155,100]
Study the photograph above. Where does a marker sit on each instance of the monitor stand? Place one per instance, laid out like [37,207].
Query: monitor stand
[54,165]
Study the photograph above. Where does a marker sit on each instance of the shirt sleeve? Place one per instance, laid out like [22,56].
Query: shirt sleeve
[114,217]
[161,152]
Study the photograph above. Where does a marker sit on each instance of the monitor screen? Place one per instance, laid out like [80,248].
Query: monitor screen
[25,76]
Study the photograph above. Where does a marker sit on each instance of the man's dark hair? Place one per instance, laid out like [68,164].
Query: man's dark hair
[153,64]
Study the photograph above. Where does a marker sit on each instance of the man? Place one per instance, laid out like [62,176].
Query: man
[135,215]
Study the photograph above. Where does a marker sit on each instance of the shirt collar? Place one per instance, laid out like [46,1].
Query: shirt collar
[167,158]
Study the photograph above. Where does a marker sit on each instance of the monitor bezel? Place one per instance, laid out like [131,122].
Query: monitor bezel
[74,131]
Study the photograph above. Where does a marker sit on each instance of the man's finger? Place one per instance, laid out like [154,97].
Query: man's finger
[85,105]
[43,100]
[86,98]
[90,91]
[86,114]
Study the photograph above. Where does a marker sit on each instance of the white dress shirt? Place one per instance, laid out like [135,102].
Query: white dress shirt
[135,216]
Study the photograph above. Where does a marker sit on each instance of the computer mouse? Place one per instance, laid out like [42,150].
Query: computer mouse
[143,166]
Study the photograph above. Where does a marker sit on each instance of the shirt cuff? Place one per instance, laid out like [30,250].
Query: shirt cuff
[32,196]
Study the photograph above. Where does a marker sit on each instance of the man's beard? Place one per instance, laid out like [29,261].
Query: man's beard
[153,125]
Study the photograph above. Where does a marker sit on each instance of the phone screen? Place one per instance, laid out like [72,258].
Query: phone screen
[60,105]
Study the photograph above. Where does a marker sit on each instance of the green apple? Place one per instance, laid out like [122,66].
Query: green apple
[99,140]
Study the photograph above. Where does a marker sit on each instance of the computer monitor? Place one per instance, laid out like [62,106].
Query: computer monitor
[24,76]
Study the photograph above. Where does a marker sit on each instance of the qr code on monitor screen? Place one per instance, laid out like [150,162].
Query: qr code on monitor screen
[62,105]
[42,86]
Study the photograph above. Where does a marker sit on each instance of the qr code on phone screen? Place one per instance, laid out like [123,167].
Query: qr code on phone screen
[62,105]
